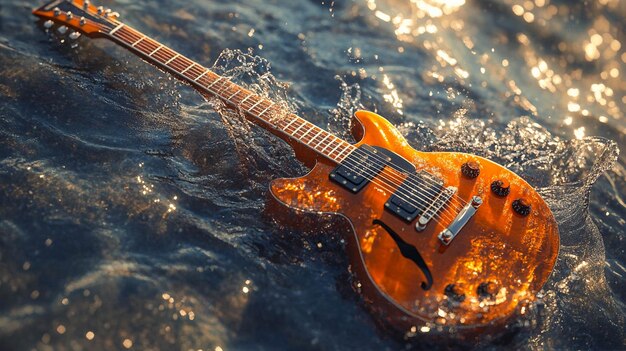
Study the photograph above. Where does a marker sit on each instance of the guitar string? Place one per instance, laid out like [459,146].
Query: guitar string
[192,64]
[192,68]
[422,181]
[444,211]
[397,177]
[409,180]
[419,183]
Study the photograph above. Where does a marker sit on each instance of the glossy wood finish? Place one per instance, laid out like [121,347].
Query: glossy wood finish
[514,254]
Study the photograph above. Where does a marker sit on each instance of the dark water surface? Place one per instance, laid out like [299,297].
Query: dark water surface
[131,215]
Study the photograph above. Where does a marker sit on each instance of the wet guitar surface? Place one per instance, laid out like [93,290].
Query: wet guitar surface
[499,261]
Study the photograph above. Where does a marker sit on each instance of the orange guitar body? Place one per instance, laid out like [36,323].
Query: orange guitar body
[495,265]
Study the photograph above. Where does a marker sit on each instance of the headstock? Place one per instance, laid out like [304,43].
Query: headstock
[76,17]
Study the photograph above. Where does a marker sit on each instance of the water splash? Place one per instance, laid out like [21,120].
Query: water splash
[340,121]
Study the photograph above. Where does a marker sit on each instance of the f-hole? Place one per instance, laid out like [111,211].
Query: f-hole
[410,252]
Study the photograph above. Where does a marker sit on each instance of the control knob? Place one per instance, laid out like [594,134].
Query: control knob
[500,187]
[521,206]
[470,169]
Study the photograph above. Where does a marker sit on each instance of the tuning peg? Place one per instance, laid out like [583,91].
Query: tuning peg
[48,24]
[107,12]
[69,15]
[56,12]
[82,21]
[74,35]
[62,29]
[114,15]
[85,4]
[100,10]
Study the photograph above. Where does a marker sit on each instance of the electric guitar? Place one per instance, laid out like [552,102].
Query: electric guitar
[435,240]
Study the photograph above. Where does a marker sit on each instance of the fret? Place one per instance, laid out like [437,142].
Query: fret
[330,143]
[217,80]
[246,98]
[318,144]
[316,135]
[333,150]
[307,132]
[187,69]
[290,123]
[267,108]
[172,59]
[342,151]
[236,92]
[258,108]
[116,29]
[350,150]
[137,42]
[253,106]
[297,129]
[155,50]
[200,76]
[224,86]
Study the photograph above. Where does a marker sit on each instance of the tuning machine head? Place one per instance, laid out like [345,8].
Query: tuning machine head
[81,16]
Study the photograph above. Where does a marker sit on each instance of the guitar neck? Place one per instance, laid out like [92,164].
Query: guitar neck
[256,108]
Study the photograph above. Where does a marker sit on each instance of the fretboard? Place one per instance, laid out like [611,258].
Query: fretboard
[258,109]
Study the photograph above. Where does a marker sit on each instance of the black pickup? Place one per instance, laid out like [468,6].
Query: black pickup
[414,196]
[362,165]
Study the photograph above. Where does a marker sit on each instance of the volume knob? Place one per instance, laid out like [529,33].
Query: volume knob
[521,206]
[500,187]
[470,169]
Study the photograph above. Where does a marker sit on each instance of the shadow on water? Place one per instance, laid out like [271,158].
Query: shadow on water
[131,210]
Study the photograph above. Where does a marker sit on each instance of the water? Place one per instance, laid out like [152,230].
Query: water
[131,212]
